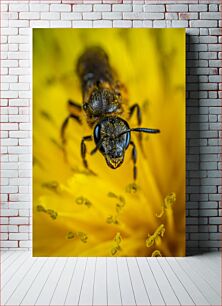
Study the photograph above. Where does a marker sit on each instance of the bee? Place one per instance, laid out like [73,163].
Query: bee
[104,102]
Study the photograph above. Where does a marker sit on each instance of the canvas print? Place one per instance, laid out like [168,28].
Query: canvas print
[108,142]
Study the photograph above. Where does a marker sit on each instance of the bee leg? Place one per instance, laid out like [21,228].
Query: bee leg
[138,112]
[73,106]
[65,123]
[134,158]
[83,152]
[133,108]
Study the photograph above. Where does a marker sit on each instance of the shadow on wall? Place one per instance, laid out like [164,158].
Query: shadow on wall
[193,142]
[192,148]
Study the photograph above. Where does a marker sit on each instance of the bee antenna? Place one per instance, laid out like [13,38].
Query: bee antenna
[143,130]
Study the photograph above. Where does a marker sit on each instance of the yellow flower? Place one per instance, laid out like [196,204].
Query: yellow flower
[76,213]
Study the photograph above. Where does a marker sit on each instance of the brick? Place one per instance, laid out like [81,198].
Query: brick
[9,31]
[52,15]
[122,7]
[162,23]
[180,23]
[19,150]
[19,118]
[82,8]
[214,47]
[9,244]
[18,236]
[122,23]
[210,244]
[71,16]
[13,47]
[9,212]
[4,236]
[200,236]
[208,189]
[102,24]
[19,71]
[4,7]
[24,213]
[208,212]
[60,8]
[4,220]
[208,39]
[198,7]
[10,166]
[215,236]
[137,23]
[213,7]
[39,24]
[135,15]
[208,15]
[208,55]
[177,8]
[18,23]
[137,7]
[18,7]
[9,63]
[187,16]
[60,24]
[39,7]
[112,15]
[171,16]
[82,24]
[216,31]
[92,16]
[25,244]
[214,63]
[19,102]
[29,15]
[154,8]
[102,7]
[18,220]
[208,205]
[24,229]
[203,23]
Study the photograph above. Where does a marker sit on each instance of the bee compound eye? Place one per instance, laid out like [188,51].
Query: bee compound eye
[97,133]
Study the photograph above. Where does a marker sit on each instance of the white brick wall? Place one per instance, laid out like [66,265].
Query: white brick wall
[204,91]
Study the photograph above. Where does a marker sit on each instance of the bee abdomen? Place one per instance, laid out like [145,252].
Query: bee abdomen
[93,68]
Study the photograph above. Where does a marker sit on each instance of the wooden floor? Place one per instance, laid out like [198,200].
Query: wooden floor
[110,281]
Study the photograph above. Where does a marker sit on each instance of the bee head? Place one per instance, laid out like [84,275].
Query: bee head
[108,141]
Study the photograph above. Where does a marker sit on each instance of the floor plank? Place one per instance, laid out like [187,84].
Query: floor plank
[191,288]
[113,285]
[18,294]
[182,295]
[62,288]
[213,279]
[140,291]
[10,261]
[5,255]
[17,278]
[208,292]
[165,287]
[211,260]
[14,269]
[152,287]
[100,282]
[126,289]
[86,294]
[48,290]
[37,285]
[73,293]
